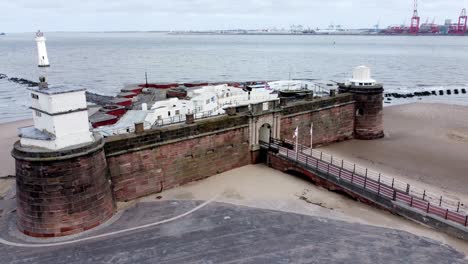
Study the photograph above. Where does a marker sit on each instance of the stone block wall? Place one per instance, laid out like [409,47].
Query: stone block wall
[333,120]
[369,116]
[154,166]
[62,193]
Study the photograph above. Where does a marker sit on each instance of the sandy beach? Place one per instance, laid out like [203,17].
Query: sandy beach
[8,136]
[425,145]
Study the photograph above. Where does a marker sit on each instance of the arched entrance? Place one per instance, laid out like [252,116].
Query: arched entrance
[265,133]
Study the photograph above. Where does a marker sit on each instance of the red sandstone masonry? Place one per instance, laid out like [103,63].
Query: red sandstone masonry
[137,174]
[330,125]
[64,197]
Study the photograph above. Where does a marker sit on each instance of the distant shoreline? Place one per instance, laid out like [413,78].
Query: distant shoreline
[218,33]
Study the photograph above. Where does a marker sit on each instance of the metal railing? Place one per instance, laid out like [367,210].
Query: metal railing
[366,179]
[181,118]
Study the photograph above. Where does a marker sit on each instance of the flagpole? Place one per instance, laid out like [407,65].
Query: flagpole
[311,136]
[297,143]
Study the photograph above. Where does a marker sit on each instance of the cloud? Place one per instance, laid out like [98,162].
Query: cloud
[209,14]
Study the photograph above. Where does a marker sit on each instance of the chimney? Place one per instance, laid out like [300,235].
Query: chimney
[43,83]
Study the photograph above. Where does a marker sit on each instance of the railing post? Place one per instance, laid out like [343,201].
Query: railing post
[424,195]
[393,182]
[354,170]
[342,164]
[407,188]
[458,207]
[366,172]
[440,203]
[411,203]
[394,195]
[307,161]
[316,166]
[428,205]
[321,154]
[378,189]
[365,182]
[352,177]
[328,169]
[466,220]
[446,214]
[379,178]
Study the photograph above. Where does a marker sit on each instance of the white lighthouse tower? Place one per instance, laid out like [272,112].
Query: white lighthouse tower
[60,118]
[42,50]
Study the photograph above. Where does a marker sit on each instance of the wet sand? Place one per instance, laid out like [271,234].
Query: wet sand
[425,145]
[8,136]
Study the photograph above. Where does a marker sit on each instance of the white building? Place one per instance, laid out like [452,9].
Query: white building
[43,60]
[60,118]
[204,102]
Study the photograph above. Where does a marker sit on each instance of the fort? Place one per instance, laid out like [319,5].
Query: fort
[69,180]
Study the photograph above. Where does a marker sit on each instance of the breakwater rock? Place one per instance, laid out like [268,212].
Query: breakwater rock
[426,93]
[21,81]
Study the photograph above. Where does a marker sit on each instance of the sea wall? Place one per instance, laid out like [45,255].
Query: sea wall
[159,159]
[72,190]
[333,119]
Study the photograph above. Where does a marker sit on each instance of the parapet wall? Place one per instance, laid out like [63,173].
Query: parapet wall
[333,119]
[161,159]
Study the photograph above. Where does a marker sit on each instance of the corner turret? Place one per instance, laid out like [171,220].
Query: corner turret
[368,95]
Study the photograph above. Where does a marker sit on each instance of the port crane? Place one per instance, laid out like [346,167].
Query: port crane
[461,29]
[414,28]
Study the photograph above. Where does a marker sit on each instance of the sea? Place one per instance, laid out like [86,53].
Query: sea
[106,62]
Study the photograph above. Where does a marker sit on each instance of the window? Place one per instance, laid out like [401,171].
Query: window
[34,96]
[360,112]
[360,84]
[265,106]
[169,113]
[38,114]
[177,112]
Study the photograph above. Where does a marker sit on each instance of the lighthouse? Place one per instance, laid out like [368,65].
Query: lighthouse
[42,50]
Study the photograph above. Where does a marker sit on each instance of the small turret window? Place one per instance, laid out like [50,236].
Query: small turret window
[35,96]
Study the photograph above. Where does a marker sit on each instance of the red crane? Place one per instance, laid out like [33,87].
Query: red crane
[414,28]
[462,22]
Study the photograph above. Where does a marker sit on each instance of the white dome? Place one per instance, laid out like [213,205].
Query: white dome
[362,73]
[362,77]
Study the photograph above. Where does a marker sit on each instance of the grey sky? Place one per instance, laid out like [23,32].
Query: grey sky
[98,15]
